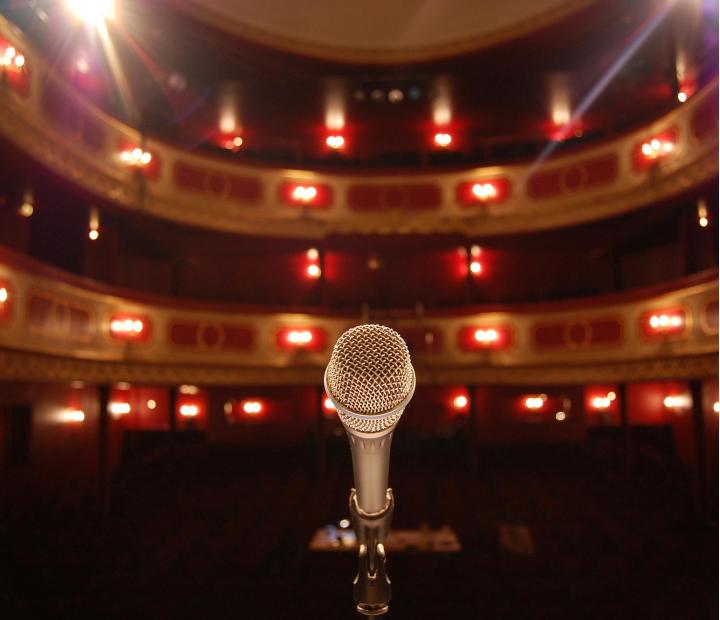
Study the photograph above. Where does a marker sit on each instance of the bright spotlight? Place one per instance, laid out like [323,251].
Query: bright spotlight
[93,12]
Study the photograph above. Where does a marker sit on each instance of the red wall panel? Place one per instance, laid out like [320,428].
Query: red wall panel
[289,415]
[500,416]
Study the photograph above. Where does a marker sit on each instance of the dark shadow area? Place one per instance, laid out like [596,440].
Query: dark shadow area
[201,531]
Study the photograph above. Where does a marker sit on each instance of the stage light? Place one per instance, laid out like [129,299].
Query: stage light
[677,401]
[682,96]
[126,326]
[559,91]
[702,212]
[252,407]
[535,402]
[716,407]
[189,389]
[601,402]
[656,148]
[151,404]
[560,416]
[313,271]
[611,396]
[484,191]
[335,142]
[486,336]
[442,139]
[92,12]
[233,144]
[475,266]
[312,254]
[460,402]
[118,409]
[328,406]
[344,523]
[3,295]
[129,327]
[335,96]
[135,157]
[300,337]
[72,415]
[94,224]
[189,411]
[441,102]
[229,108]
[27,208]
[666,322]
[11,58]
[303,193]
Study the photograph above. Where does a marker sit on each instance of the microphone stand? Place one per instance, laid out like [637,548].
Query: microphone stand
[371,588]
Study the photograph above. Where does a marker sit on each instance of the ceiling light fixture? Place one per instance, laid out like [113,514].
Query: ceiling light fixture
[443,139]
[92,12]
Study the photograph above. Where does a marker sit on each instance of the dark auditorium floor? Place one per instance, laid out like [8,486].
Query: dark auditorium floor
[197,531]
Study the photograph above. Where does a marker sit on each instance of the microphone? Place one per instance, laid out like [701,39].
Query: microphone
[370,380]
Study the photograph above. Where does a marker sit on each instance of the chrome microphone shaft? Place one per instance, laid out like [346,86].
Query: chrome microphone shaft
[371,466]
[371,587]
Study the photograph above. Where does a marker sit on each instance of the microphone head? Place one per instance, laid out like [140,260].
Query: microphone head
[370,378]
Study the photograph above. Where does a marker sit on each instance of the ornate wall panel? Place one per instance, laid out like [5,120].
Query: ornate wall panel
[60,325]
[419,196]
[54,124]
[575,333]
[241,189]
[575,177]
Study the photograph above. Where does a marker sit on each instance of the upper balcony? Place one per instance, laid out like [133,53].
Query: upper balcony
[59,327]
[564,182]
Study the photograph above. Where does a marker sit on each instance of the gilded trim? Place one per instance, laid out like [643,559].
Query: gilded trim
[25,366]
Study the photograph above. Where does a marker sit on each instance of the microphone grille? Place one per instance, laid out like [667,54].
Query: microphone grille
[370,373]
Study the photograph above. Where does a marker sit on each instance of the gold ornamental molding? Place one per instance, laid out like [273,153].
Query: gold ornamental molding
[591,183]
[23,366]
[653,333]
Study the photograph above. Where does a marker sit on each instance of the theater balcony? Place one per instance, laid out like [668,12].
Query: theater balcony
[197,200]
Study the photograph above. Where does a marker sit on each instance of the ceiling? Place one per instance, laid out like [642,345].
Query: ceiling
[489,73]
[378,30]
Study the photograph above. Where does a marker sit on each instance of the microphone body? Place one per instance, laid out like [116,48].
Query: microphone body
[370,450]
[371,467]
[370,381]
